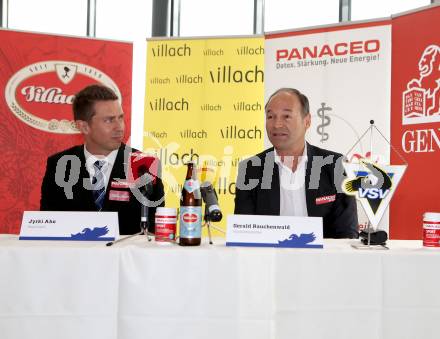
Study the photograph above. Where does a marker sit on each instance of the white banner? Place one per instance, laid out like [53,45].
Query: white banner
[345,71]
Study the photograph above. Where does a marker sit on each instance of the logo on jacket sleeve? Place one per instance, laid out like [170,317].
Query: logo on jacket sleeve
[325,200]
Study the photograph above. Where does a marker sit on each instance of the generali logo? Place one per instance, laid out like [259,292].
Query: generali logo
[421,100]
[41,94]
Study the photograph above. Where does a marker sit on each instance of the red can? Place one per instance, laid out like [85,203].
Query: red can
[431,229]
[165,221]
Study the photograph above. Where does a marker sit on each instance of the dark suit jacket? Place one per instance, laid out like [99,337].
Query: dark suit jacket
[53,197]
[339,216]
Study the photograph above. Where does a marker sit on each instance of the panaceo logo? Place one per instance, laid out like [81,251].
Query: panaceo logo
[41,94]
[189,217]
[327,50]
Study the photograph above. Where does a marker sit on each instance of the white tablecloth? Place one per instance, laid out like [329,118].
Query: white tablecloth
[144,290]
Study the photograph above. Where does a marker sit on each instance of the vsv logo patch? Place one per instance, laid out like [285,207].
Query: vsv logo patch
[373,185]
[372,193]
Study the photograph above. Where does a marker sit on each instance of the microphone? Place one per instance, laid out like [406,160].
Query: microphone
[143,171]
[141,163]
[209,196]
[146,189]
[143,175]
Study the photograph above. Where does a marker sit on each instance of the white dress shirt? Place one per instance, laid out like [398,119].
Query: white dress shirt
[292,185]
[106,169]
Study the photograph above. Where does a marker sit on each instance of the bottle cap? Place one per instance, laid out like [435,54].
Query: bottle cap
[431,216]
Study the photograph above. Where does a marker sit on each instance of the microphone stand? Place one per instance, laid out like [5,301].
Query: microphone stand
[144,224]
[146,191]
[208,224]
[111,243]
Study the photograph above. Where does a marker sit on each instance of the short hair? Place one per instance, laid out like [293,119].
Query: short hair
[305,107]
[85,99]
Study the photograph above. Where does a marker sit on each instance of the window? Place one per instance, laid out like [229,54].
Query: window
[49,16]
[216,17]
[123,20]
[370,9]
[129,20]
[288,14]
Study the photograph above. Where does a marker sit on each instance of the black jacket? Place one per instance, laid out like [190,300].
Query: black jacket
[54,198]
[338,210]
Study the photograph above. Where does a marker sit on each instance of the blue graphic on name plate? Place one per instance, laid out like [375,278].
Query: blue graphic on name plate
[91,234]
[87,234]
[301,241]
[304,240]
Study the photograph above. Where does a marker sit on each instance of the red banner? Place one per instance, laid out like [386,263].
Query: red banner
[39,74]
[415,119]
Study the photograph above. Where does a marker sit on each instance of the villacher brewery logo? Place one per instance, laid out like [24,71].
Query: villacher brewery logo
[421,104]
[41,94]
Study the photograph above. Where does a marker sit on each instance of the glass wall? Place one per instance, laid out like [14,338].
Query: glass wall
[123,20]
[49,16]
[129,20]
[213,17]
[288,14]
[369,9]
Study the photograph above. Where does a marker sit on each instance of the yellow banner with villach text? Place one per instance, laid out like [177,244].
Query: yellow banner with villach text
[204,102]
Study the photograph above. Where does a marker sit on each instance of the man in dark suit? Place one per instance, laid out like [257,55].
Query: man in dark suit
[93,176]
[294,177]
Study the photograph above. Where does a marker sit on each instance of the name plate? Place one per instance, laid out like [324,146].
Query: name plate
[274,231]
[79,226]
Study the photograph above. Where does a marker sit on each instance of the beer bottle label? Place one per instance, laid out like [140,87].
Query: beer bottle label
[191,185]
[190,221]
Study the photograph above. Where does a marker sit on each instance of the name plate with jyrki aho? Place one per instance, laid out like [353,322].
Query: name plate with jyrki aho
[74,226]
[274,231]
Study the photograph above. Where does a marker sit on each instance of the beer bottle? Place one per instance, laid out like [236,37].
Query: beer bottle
[191,209]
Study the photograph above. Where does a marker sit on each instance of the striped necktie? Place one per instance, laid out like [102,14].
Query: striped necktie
[98,184]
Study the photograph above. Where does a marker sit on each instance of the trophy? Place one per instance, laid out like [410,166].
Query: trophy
[373,185]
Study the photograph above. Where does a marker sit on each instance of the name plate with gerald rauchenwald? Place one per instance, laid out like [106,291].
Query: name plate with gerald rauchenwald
[274,231]
[75,226]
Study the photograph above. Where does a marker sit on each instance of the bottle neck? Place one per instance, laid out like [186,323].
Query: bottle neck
[191,172]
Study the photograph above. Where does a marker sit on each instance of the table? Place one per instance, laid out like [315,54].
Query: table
[143,290]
